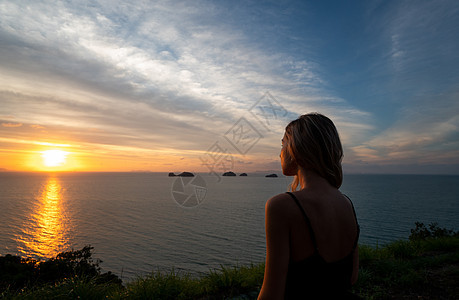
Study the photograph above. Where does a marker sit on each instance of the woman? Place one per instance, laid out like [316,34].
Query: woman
[311,234]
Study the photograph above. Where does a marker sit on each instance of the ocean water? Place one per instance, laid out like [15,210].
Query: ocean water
[140,222]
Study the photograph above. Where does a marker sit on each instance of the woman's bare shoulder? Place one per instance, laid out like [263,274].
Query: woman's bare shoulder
[278,201]
[279,204]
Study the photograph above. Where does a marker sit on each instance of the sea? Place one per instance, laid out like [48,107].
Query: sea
[144,222]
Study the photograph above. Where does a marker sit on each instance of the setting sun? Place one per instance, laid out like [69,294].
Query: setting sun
[54,158]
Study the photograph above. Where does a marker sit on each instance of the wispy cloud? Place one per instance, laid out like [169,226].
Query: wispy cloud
[424,134]
[36,126]
[11,124]
[123,62]
[177,75]
[418,85]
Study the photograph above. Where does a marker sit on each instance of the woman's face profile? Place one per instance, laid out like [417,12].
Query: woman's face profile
[287,162]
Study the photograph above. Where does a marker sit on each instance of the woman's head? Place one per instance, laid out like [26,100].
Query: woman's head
[312,143]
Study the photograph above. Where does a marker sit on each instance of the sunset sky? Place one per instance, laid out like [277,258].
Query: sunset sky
[170,85]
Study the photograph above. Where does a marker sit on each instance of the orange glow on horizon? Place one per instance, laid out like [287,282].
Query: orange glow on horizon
[75,156]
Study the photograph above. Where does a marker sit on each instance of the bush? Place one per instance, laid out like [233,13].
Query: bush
[402,249]
[421,232]
[17,273]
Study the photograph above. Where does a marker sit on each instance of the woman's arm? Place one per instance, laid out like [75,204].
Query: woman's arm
[277,249]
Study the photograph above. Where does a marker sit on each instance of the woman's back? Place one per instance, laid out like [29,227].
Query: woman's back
[322,250]
[332,221]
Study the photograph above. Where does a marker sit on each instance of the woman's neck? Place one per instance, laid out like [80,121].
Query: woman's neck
[309,179]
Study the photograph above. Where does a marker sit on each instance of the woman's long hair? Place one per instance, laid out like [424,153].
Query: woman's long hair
[314,144]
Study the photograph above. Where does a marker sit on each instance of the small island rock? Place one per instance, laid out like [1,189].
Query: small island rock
[229,174]
[171,174]
[186,174]
[271,175]
[243,174]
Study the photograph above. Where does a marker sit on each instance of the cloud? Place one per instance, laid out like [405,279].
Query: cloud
[414,87]
[11,125]
[36,126]
[162,76]
[422,34]
[426,134]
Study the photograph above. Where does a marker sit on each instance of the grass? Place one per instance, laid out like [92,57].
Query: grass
[419,268]
[237,282]
[415,269]
[71,288]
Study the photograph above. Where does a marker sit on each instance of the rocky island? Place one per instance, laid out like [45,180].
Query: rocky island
[229,174]
[186,174]
[271,175]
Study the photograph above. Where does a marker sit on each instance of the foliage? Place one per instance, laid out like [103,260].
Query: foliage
[158,285]
[71,288]
[223,283]
[18,273]
[421,232]
[426,264]
[233,281]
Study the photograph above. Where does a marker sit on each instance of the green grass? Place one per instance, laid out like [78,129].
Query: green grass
[420,268]
[230,282]
[71,288]
[160,285]
[224,283]
[426,268]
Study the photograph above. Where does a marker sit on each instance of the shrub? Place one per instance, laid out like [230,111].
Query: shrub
[17,273]
[421,232]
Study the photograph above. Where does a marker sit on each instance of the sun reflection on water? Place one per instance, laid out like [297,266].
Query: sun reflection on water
[45,231]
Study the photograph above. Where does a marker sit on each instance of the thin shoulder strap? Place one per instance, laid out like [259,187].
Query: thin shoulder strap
[356,222]
[313,237]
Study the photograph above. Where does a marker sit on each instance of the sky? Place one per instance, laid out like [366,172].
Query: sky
[209,86]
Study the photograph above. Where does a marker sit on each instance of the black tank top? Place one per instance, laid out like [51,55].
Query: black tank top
[316,278]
